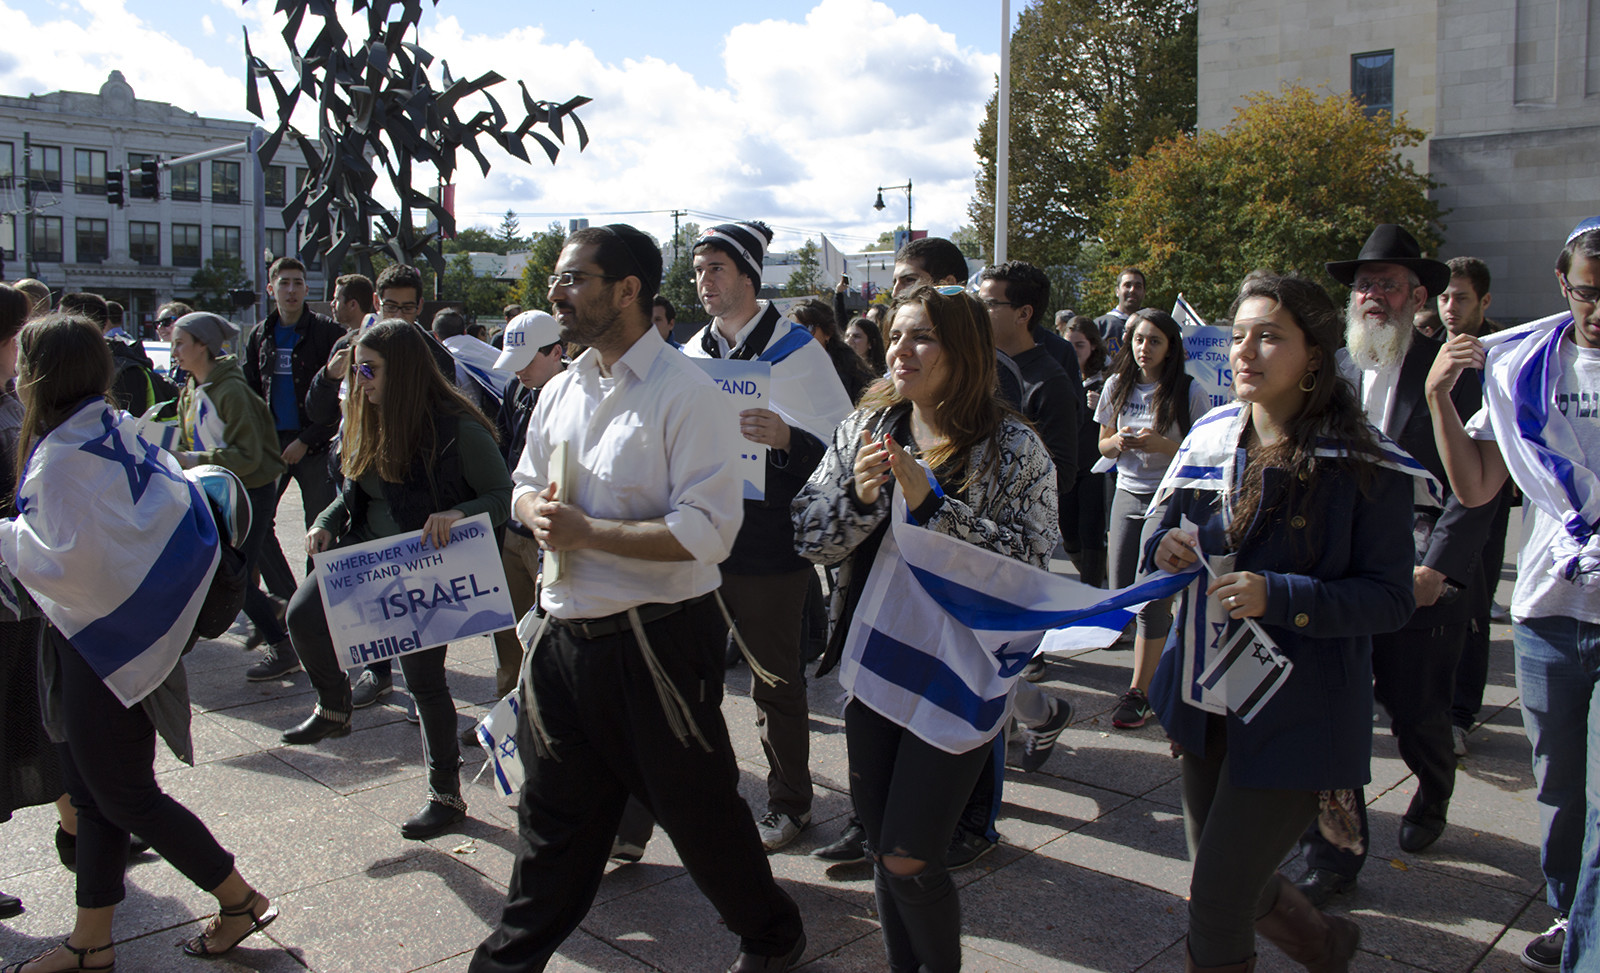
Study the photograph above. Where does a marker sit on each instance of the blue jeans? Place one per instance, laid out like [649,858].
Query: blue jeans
[1558,677]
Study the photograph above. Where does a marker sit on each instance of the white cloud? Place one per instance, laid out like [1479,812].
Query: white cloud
[207,26]
[814,116]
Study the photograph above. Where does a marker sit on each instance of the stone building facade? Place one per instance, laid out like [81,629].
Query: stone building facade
[56,223]
[1508,90]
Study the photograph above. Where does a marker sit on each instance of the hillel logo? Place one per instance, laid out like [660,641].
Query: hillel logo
[394,645]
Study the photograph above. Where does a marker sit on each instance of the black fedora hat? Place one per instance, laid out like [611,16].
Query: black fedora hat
[1391,244]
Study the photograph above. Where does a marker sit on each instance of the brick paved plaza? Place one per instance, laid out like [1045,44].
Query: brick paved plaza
[1091,875]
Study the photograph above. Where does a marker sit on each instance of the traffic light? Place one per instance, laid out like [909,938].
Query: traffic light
[149,179]
[114,187]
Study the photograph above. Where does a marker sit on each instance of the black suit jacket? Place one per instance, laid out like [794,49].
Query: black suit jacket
[1456,547]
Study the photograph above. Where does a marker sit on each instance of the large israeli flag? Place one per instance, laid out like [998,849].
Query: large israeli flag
[944,628]
[476,358]
[116,545]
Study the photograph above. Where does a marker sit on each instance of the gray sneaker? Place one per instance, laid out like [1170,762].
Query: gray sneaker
[1543,951]
[1458,741]
[369,689]
[778,829]
[278,661]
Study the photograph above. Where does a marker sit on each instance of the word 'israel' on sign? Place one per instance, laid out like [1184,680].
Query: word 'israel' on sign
[746,383]
[400,594]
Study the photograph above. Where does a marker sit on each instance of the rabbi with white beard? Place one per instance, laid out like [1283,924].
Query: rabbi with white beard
[1387,363]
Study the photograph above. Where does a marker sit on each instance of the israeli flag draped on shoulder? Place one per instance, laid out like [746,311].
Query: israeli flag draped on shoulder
[477,359]
[805,390]
[117,546]
[204,426]
[1538,442]
[1209,458]
[933,649]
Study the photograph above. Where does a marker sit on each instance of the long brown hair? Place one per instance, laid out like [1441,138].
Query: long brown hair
[968,412]
[388,437]
[1330,411]
[61,360]
[1169,385]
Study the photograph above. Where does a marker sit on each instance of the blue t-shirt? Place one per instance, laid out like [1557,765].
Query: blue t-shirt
[285,404]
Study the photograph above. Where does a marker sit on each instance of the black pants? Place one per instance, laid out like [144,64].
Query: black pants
[770,612]
[1237,836]
[1472,673]
[1414,678]
[1083,527]
[108,762]
[908,794]
[257,606]
[425,678]
[317,490]
[609,739]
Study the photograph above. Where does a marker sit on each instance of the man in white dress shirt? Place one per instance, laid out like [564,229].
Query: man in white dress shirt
[622,688]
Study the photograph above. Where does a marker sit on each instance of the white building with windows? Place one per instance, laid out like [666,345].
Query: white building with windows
[57,224]
[1508,90]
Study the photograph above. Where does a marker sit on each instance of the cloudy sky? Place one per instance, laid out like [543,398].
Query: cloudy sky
[794,111]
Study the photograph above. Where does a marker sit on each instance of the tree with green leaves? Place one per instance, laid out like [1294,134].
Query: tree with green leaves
[214,283]
[1094,83]
[677,283]
[481,295]
[510,233]
[806,278]
[1296,179]
[533,287]
[475,239]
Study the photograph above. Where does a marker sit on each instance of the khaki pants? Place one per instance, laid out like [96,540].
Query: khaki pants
[520,556]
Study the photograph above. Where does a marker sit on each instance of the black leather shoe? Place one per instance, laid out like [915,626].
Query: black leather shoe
[440,814]
[1321,884]
[316,727]
[751,963]
[1417,837]
[10,906]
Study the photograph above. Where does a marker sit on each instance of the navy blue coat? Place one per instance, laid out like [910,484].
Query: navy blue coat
[1316,733]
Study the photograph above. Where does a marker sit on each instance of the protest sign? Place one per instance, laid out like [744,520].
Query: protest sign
[398,595]
[1206,348]
[746,383]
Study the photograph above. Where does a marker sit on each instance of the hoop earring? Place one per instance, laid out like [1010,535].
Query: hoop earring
[1307,388]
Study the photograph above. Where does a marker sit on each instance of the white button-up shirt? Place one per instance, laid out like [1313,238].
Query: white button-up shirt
[653,440]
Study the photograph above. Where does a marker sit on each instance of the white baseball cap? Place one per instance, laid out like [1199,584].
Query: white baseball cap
[525,335]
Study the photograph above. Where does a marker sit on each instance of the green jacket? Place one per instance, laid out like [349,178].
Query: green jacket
[248,440]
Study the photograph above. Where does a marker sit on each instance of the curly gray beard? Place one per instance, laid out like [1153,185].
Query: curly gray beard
[1375,345]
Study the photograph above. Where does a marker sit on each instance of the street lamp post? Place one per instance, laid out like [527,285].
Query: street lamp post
[878,205]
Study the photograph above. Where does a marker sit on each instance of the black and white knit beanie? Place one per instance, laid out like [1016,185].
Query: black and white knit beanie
[746,242]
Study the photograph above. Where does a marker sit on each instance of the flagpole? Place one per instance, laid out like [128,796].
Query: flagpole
[1002,138]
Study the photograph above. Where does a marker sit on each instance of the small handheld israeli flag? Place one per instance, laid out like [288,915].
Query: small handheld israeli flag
[497,732]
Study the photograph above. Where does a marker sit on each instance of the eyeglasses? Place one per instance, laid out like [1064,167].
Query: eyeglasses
[1388,288]
[992,304]
[365,371]
[950,290]
[390,307]
[1583,295]
[570,277]
[166,322]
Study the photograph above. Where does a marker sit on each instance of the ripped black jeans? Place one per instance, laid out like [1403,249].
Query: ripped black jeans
[908,795]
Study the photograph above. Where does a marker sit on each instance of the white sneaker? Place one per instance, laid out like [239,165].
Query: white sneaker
[778,829]
[1458,741]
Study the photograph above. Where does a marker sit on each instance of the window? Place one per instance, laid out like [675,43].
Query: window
[89,172]
[225,242]
[144,243]
[224,182]
[1372,81]
[46,246]
[8,161]
[44,168]
[277,244]
[274,177]
[8,236]
[186,186]
[92,244]
[186,244]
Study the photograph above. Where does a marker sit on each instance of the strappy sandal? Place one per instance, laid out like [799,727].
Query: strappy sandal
[79,954]
[197,946]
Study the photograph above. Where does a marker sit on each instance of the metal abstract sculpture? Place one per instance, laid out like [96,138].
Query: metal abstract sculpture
[376,104]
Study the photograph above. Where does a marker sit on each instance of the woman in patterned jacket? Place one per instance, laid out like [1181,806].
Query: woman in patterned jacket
[992,484]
